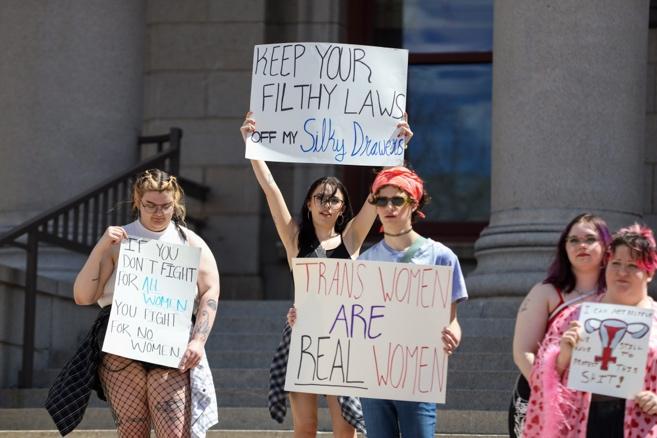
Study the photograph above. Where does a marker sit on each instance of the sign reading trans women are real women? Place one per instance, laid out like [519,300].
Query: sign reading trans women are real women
[154,295]
[369,329]
[328,103]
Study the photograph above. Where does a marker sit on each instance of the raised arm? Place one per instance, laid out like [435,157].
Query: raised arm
[531,323]
[286,227]
[98,268]
[208,290]
[356,230]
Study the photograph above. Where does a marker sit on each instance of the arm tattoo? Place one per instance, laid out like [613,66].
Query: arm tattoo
[95,279]
[525,305]
[202,328]
[212,304]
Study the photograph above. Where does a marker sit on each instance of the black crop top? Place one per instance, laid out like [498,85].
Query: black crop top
[316,250]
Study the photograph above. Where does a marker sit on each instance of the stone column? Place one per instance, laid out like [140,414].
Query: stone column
[568,130]
[71,92]
[295,20]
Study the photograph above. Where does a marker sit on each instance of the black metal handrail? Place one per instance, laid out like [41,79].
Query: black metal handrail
[77,224]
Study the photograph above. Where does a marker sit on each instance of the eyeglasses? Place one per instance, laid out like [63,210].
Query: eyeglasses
[152,208]
[396,201]
[588,240]
[333,201]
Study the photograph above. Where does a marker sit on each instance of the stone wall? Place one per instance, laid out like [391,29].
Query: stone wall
[60,323]
[650,208]
[198,77]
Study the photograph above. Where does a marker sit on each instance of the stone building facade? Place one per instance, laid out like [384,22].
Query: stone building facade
[574,117]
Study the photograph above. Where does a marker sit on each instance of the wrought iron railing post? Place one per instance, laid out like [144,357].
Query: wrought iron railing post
[29,322]
[175,135]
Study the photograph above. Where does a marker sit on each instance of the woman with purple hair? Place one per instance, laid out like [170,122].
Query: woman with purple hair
[575,275]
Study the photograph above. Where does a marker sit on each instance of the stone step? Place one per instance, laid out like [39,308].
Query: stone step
[460,360]
[449,422]
[265,345]
[484,343]
[239,324]
[468,358]
[259,378]
[503,307]
[457,398]
[472,326]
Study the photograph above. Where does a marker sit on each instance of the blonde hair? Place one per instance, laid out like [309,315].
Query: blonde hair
[159,181]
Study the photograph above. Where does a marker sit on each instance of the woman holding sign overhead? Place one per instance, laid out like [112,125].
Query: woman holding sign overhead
[398,196]
[557,411]
[575,275]
[327,228]
[176,402]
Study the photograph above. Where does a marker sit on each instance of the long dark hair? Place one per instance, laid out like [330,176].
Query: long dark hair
[560,273]
[307,240]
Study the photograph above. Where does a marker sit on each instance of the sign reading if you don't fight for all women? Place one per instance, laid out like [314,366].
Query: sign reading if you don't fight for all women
[328,103]
[369,329]
[154,293]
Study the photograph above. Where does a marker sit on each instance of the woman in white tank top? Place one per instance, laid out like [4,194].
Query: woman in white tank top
[174,401]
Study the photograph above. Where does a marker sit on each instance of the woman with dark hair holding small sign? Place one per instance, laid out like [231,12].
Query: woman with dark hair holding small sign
[176,402]
[327,228]
[554,409]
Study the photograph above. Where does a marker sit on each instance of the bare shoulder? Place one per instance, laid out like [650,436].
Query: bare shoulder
[543,290]
[540,295]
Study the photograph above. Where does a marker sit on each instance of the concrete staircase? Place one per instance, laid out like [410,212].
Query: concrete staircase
[481,375]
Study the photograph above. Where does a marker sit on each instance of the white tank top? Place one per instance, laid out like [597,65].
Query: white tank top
[170,234]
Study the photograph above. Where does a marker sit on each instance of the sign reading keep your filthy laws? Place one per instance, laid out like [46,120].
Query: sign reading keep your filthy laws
[328,103]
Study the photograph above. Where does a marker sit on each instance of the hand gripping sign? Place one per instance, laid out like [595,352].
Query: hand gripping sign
[328,103]
[610,359]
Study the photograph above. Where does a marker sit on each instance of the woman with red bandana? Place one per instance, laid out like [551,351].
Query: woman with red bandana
[557,411]
[398,194]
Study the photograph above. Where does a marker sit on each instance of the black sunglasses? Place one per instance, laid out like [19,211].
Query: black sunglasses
[383,201]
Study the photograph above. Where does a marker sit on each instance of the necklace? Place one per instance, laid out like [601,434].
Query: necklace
[401,233]
[584,292]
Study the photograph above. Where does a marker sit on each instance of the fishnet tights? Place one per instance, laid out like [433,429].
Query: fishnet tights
[139,397]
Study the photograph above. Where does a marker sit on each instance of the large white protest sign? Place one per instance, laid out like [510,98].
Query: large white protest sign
[370,329]
[154,295]
[328,103]
[610,358]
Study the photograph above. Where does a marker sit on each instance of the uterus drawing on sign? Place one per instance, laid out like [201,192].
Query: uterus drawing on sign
[612,331]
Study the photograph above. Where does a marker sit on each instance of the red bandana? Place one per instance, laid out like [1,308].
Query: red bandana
[402,178]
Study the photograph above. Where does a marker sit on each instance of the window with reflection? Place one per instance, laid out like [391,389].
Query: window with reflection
[450,113]
[439,26]
[449,99]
